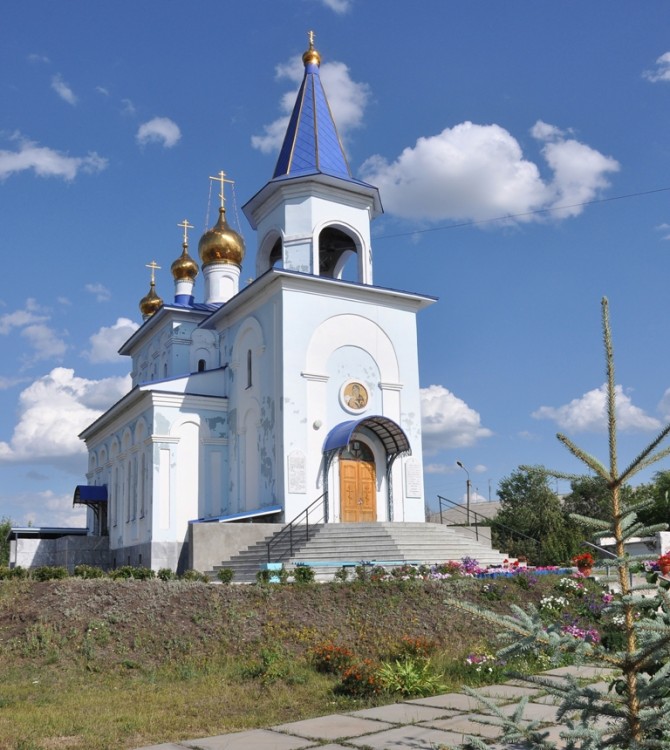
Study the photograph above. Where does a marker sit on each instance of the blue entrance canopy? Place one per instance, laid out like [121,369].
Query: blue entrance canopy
[389,433]
[86,494]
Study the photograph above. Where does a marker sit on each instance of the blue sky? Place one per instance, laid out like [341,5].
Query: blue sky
[487,126]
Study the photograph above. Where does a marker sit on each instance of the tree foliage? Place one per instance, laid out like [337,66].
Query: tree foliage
[5,526]
[531,521]
[657,494]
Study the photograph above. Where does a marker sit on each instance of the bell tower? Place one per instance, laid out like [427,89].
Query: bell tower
[313,216]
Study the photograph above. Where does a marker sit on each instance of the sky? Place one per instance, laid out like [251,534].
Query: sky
[523,158]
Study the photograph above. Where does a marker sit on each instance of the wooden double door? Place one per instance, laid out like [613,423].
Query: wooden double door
[358,485]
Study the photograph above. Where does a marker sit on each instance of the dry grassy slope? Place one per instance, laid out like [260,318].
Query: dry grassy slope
[151,620]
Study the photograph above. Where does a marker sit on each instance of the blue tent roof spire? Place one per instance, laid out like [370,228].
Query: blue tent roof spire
[311,144]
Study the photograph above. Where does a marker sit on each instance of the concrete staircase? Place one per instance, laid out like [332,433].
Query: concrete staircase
[330,546]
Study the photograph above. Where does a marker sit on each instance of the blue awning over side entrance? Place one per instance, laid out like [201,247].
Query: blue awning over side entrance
[86,494]
[389,433]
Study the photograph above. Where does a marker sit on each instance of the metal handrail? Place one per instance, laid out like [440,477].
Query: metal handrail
[458,507]
[489,521]
[298,520]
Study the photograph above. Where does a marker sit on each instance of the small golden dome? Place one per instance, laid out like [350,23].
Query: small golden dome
[311,56]
[221,244]
[150,303]
[184,268]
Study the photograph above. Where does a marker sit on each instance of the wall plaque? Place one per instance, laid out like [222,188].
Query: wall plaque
[297,472]
[412,479]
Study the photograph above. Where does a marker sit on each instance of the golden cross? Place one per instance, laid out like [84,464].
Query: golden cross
[310,34]
[222,179]
[153,266]
[186,226]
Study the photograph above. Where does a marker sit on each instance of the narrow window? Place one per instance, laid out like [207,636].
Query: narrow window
[201,365]
[250,381]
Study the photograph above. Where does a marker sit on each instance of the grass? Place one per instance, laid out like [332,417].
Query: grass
[101,664]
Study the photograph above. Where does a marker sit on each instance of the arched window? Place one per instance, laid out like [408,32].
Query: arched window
[201,365]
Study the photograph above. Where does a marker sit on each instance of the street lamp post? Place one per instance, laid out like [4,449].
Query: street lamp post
[467,492]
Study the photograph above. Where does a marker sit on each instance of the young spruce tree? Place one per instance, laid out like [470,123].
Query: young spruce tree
[635,712]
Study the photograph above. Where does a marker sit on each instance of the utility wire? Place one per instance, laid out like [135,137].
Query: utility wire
[518,216]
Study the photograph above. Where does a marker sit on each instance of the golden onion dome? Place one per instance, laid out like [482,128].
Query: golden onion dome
[311,56]
[184,268]
[150,303]
[221,244]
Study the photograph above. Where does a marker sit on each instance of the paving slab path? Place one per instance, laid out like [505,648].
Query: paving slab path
[419,724]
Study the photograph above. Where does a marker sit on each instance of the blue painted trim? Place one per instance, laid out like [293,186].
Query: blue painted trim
[186,300]
[268,510]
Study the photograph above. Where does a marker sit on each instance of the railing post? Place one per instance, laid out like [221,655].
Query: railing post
[290,539]
[441,517]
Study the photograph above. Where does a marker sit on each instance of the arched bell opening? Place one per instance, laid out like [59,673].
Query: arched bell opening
[336,249]
[276,255]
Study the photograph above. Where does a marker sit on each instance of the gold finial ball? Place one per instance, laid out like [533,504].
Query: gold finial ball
[150,303]
[311,57]
[221,244]
[184,268]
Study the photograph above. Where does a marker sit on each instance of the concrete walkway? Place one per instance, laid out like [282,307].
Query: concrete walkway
[442,721]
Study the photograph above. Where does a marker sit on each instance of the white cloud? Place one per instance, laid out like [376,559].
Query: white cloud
[347,100]
[102,294]
[30,315]
[53,410]
[438,469]
[47,508]
[161,130]
[127,107]
[665,230]
[102,90]
[30,323]
[339,6]
[589,413]
[63,90]
[662,70]
[45,342]
[35,58]
[106,343]
[47,162]
[447,421]
[664,406]
[478,172]
[6,383]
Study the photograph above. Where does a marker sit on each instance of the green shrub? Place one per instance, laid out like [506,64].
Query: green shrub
[166,574]
[271,665]
[342,574]
[194,575]
[131,571]
[16,572]
[303,574]
[410,676]
[88,571]
[225,575]
[49,573]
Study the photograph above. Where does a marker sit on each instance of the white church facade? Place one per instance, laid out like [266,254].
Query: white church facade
[300,388]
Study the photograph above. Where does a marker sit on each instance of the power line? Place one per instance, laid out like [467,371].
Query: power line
[519,215]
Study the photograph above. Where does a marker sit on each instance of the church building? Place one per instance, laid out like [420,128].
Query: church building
[299,389]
